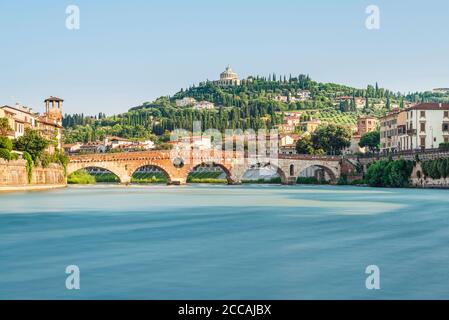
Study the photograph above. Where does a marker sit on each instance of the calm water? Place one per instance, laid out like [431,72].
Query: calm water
[223,242]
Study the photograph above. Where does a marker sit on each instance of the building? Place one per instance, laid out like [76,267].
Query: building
[292,120]
[203,105]
[303,95]
[389,131]
[228,78]
[285,128]
[287,143]
[49,123]
[12,124]
[441,90]
[426,126]
[22,118]
[310,126]
[422,126]
[72,148]
[184,102]
[366,124]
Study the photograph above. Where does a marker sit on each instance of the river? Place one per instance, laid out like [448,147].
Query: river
[224,242]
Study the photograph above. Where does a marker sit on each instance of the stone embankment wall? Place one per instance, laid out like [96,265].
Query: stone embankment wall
[14,173]
[418,180]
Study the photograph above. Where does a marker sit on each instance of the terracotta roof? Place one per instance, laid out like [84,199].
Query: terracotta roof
[430,106]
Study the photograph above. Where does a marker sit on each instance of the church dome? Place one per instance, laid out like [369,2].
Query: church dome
[228,74]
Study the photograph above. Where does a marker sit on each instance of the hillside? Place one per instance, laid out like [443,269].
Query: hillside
[258,102]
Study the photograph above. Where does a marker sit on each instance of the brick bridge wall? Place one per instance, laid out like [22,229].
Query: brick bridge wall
[125,164]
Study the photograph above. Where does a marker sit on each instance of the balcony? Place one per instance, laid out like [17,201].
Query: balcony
[411,132]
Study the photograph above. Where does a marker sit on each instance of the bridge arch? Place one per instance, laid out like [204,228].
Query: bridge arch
[275,168]
[324,169]
[225,169]
[132,170]
[118,172]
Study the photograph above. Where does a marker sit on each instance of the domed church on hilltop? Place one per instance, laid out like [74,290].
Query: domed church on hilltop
[228,78]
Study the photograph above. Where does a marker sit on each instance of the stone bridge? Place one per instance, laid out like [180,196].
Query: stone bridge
[177,167]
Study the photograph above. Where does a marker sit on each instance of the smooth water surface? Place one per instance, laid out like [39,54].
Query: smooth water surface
[224,242]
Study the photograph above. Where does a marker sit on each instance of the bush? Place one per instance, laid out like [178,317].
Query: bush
[5,154]
[389,173]
[343,180]
[5,143]
[81,177]
[307,180]
[31,142]
[436,169]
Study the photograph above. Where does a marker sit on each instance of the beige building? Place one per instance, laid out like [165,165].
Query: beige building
[12,124]
[23,118]
[422,126]
[310,126]
[366,124]
[49,123]
[389,131]
[184,102]
[203,105]
[228,78]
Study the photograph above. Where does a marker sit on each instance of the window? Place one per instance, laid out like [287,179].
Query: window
[423,127]
[446,139]
[423,142]
[423,114]
[445,127]
[292,170]
[446,114]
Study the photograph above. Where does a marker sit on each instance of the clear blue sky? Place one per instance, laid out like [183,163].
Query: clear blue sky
[128,52]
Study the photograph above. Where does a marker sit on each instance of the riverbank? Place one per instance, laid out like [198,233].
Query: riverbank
[28,187]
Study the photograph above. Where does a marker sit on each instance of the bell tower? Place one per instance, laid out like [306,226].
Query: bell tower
[53,108]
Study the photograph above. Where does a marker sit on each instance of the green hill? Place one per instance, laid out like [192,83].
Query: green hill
[259,102]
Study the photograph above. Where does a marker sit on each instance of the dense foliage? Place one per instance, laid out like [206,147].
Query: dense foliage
[330,139]
[32,142]
[4,126]
[385,173]
[436,169]
[81,177]
[370,140]
[5,143]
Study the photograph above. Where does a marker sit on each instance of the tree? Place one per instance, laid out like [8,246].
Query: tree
[5,143]
[31,142]
[332,138]
[4,127]
[370,140]
[304,145]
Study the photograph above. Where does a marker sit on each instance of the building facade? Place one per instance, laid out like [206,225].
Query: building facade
[389,131]
[49,124]
[422,126]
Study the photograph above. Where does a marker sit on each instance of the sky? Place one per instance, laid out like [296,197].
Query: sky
[129,52]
